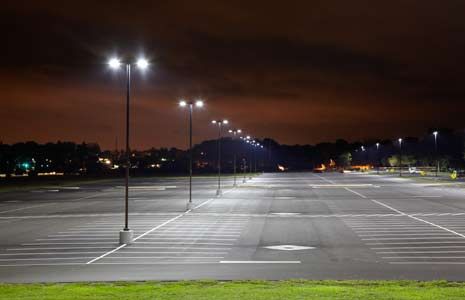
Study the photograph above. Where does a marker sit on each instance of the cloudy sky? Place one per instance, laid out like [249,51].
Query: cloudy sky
[297,71]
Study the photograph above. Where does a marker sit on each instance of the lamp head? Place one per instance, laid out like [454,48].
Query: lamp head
[199,103]
[114,63]
[142,63]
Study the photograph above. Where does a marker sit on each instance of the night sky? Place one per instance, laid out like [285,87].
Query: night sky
[297,71]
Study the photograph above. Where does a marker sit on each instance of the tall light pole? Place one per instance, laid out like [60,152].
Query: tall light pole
[363,156]
[220,124]
[400,157]
[377,158]
[244,167]
[190,104]
[249,141]
[256,145]
[435,133]
[235,132]
[126,235]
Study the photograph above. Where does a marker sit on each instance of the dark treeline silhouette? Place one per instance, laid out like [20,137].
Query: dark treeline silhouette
[67,158]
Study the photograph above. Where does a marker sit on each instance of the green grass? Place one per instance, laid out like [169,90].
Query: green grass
[269,290]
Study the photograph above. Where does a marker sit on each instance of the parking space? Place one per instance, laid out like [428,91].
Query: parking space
[75,245]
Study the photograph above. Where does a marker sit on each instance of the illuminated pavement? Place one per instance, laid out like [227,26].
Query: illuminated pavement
[288,225]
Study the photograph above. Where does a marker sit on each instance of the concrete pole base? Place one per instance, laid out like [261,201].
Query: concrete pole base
[219,192]
[235,185]
[125,236]
[189,206]
[244,181]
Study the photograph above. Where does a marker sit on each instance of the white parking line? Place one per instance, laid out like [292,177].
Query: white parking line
[187,248]
[189,239]
[153,229]
[426,263]
[423,257]
[417,252]
[173,252]
[406,234]
[28,207]
[77,243]
[421,220]
[76,239]
[57,248]
[421,230]
[410,238]
[417,247]
[416,243]
[49,253]
[44,258]
[192,234]
[260,262]
[184,243]
[164,257]
[356,193]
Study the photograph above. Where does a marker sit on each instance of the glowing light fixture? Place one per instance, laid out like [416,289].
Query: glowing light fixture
[114,63]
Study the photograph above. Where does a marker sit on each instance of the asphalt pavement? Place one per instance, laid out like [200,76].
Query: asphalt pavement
[273,226]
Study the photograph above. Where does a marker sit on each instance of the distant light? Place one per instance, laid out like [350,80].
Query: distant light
[114,63]
[142,63]
[400,140]
[239,131]
[248,137]
[199,103]
[230,131]
[214,122]
[225,121]
[182,103]
[435,133]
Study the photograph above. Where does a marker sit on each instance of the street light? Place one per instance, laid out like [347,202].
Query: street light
[220,124]
[377,158]
[244,161]
[234,132]
[435,133]
[400,157]
[126,235]
[257,146]
[190,104]
[251,142]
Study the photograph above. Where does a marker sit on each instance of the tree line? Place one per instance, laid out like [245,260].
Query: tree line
[88,159]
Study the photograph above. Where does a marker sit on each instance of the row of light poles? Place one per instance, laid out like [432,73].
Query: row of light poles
[400,141]
[126,234]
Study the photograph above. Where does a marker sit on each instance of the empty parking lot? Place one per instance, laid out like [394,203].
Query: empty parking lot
[287,225]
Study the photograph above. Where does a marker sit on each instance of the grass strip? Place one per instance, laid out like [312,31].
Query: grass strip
[269,290]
